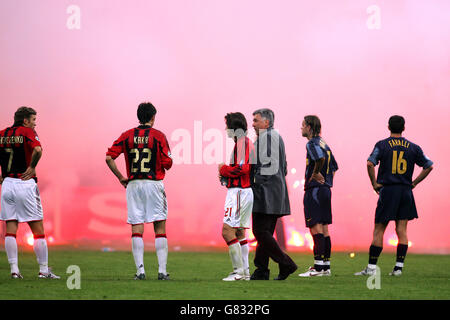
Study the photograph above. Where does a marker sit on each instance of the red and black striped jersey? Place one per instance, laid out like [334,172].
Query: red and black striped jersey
[16,148]
[239,174]
[146,151]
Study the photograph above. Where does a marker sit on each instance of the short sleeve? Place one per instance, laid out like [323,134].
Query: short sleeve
[422,160]
[375,156]
[31,138]
[117,148]
[314,150]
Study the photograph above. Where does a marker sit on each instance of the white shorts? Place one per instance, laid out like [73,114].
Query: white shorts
[146,201]
[20,201]
[238,207]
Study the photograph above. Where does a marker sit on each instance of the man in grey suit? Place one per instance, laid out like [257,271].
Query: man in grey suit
[271,200]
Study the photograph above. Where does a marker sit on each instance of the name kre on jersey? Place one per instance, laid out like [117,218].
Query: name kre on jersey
[141,140]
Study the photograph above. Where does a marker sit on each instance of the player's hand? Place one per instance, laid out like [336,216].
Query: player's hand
[29,173]
[1,180]
[123,181]
[317,177]
[377,187]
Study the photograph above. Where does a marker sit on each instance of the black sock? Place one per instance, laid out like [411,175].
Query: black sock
[374,253]
[327,254]
[319,251]
[401,254]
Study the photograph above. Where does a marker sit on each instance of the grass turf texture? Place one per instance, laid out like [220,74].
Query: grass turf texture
[197,276]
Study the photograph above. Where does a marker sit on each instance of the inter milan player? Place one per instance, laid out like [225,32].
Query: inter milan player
[320,168]
[237,177]
[147,157]
[20,151]
[397,157]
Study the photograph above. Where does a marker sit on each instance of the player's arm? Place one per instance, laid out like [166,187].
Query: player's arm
[373,180]
[116,149]
[234,171]
[422,175]
[166,157]
[426,164]
[316,175]
[31,170]
[113,167]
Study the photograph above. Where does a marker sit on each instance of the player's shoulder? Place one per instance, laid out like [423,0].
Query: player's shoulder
[314,141]
[412,146]
[158,134]
[2,132]
[128,132]
[383,142]
[26,131]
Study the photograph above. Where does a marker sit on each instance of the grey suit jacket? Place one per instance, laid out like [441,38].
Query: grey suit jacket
[269,187]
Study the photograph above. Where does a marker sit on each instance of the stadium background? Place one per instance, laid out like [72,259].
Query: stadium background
[196,61]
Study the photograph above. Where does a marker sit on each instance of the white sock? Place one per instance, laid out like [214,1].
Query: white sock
[244,253]
[234,249]
[162,250]
[41,251]
[137,246]
[11,252]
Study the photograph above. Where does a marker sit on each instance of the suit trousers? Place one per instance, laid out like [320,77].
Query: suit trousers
[263,229]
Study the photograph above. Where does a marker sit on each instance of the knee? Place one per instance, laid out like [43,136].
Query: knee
[401,233]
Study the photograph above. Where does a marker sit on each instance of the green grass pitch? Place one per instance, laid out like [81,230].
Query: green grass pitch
[197,276]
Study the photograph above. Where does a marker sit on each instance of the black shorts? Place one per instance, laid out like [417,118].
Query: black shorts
[317,206]
[396,202]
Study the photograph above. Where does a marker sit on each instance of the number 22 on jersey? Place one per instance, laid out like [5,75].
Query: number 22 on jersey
[147,155]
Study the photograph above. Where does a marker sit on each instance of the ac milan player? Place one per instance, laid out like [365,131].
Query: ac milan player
[20,151]
[237,178]
[147,156]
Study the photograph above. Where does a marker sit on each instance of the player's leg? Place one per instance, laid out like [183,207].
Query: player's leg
[312,211]
[40,245]
[162,248]
[11,247]
[245,216]
[234,249]
[41,249]
[316,231]
[402,247]
[375,249]
[319,246]
[137,247]
[240,234]
[327,252]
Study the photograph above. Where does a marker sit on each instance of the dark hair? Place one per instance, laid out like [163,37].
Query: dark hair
[314,122]
[236,121]
[21,114]
[145,112]
[396,124]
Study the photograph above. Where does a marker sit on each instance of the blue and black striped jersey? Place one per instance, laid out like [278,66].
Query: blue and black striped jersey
[317,148]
